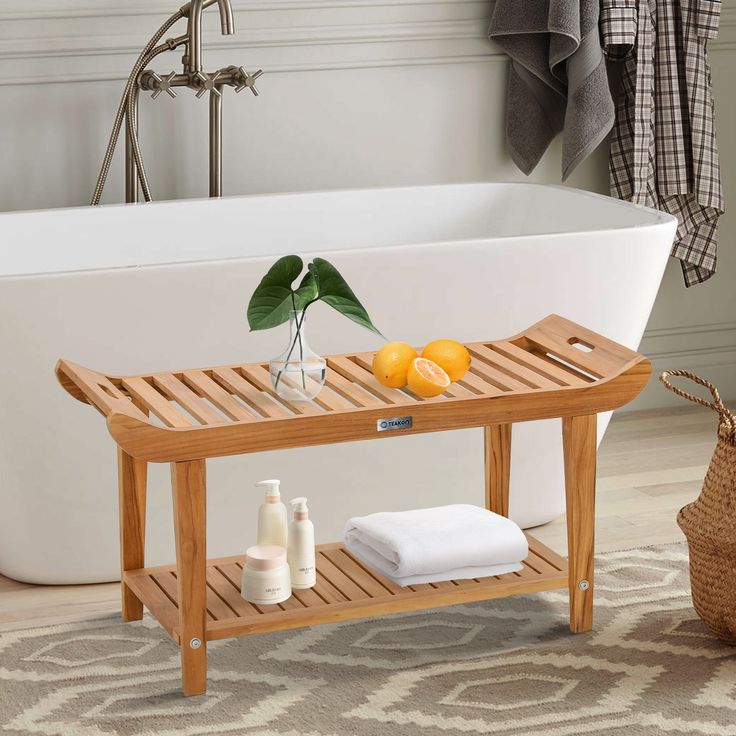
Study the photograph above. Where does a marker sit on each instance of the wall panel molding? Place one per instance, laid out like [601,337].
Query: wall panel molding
[691,341]
[20,10]
[47,44]
[61,46]
[98,40]
[706,349]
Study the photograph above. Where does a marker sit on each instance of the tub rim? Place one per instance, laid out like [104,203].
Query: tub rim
[654,219]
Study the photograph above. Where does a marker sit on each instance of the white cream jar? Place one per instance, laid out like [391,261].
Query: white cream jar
[266,576]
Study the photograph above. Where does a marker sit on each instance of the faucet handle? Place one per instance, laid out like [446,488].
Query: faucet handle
[208,83]
[151,81]
[247,80]
[164,85]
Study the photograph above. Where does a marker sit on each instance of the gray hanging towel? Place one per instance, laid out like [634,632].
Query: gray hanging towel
[557,78]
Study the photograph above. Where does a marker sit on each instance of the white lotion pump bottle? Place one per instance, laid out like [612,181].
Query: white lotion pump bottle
[271,516]
[301,554]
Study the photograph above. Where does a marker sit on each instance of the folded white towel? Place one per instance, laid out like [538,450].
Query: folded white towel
[459,573]
[444,543]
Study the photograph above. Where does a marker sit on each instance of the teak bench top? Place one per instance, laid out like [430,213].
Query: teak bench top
[556,368]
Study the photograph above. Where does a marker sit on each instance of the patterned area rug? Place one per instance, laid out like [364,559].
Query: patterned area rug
[500,667]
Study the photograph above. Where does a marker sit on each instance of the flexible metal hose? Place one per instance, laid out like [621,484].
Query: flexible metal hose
[149,51]
[132,120]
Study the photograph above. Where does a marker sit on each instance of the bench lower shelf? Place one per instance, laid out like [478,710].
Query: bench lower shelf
[346,589]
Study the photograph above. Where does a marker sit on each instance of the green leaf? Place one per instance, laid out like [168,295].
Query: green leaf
[308,290]
[272,302]
[315,273]
[334,290]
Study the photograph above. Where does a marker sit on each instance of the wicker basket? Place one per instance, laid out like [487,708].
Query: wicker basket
[709,523]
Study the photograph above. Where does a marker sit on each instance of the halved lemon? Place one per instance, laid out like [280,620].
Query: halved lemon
[425,378]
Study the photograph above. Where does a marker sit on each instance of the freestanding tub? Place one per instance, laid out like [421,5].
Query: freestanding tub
[129,289]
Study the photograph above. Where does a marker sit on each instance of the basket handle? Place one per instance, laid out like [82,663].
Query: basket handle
[717,404]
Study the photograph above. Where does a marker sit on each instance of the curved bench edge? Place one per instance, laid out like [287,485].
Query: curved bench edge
[68,383]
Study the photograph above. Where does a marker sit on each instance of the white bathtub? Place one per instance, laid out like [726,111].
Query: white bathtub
[127,289]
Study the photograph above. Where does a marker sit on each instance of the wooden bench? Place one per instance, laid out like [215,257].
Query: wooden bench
[554,369]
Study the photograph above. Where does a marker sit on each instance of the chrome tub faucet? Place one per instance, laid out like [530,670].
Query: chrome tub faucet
[192,76]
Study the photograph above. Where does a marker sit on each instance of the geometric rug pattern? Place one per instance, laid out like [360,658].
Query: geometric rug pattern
[507,667]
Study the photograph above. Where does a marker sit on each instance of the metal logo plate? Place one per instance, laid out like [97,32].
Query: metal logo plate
[394,423]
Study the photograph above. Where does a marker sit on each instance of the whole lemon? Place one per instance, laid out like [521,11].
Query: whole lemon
[391,364]
[450,355]
[426,378]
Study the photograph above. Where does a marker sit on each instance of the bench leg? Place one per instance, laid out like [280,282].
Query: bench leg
[579,443]
[132,477]
[498,467]
[188,485]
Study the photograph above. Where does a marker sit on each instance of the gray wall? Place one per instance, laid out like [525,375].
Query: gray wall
[358,93]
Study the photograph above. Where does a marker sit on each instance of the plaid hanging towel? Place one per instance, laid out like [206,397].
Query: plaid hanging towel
[663,148]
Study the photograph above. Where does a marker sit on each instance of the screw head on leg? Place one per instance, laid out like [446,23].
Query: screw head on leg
[583,585]
[195,643]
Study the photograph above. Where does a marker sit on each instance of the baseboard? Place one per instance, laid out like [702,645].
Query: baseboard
[708,350]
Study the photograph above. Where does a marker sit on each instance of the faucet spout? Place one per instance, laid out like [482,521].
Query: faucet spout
[193,12]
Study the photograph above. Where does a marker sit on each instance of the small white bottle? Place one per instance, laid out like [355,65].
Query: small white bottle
[301,554]
[271,516]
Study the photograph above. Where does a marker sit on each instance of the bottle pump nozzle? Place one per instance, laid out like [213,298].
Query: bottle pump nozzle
[271,486]
[300,508]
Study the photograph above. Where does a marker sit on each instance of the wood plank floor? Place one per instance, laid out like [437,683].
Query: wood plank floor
[650,464]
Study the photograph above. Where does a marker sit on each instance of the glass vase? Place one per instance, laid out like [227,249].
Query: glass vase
[298,374]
